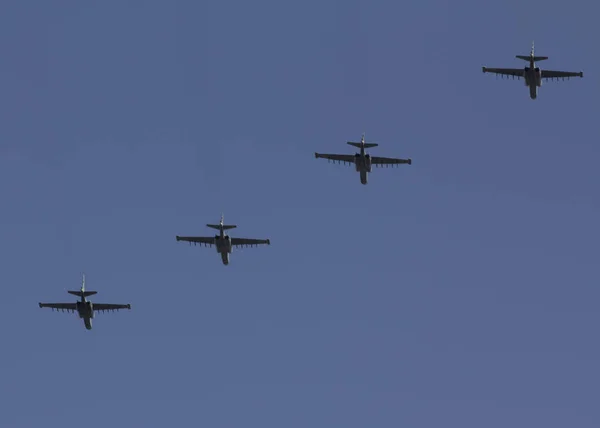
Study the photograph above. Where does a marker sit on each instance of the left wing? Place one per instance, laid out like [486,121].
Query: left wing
[101,307]
[204,240]
[336,158]
[249,242]
[69,307]
[389,161]
[515,72]
[549,74]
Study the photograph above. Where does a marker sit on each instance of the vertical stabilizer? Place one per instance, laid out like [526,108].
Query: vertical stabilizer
[362,144]
[81,292]
[222,225]
[531,56]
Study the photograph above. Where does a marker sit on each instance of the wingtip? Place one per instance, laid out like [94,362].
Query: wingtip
[268,242]
[581,74]
[410,161]
[484,69]
[128,306]
[316,155]
[177,238]
[40,305]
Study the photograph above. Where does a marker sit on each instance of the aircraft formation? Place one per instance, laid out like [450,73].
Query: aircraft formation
[363,163]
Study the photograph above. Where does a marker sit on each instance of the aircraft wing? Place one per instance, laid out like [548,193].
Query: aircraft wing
[69,307]
[336,158]
[516,72]
[244,242]
[375,160]
[101,307]
[549,74]
[204,240]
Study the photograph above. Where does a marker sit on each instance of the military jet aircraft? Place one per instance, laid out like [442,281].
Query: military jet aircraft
[532,75]
[222,242]
[84,308]
[362,160]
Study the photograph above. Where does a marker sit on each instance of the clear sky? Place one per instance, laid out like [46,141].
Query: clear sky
[461,291]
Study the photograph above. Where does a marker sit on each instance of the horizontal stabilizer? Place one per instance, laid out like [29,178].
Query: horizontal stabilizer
[365,145]
[81,293]
[535,58]
[222,226]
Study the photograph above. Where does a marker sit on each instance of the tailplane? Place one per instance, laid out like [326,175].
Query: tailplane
[222,226]
[362,143]
[535,58]
[365,145]
[82,292]
[531,55]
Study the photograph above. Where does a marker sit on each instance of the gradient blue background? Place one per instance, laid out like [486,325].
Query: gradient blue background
[461,291]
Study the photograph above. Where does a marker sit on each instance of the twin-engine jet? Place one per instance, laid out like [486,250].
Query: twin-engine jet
[533,75]
[222,242]
[84,308]
[362,160]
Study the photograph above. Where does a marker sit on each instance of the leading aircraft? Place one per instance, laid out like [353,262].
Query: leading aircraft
[363,161]
[84,308]
[533,75]
[223,242]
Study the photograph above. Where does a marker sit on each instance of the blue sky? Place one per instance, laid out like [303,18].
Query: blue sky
[460,291]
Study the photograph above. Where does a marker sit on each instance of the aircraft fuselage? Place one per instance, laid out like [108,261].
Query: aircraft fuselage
[533,78]
[362,161]
[223,246]
[85,310]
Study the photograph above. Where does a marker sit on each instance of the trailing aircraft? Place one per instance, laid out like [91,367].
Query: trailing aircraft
[84,308]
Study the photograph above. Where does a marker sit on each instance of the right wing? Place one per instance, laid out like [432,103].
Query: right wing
[204,240]
[101,307]
[249,242]
[551,74]
[69,307]
[377,161]
[516,72]
[336,158]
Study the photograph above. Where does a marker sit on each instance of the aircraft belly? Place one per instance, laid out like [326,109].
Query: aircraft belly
[88,323]
[363,177]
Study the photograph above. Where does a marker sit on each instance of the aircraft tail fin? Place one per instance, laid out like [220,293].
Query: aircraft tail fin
[528,57]
[82,292]
[79,293]
[365,145]
[222,226]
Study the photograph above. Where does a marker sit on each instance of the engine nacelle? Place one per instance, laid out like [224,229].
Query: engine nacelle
[228,243]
